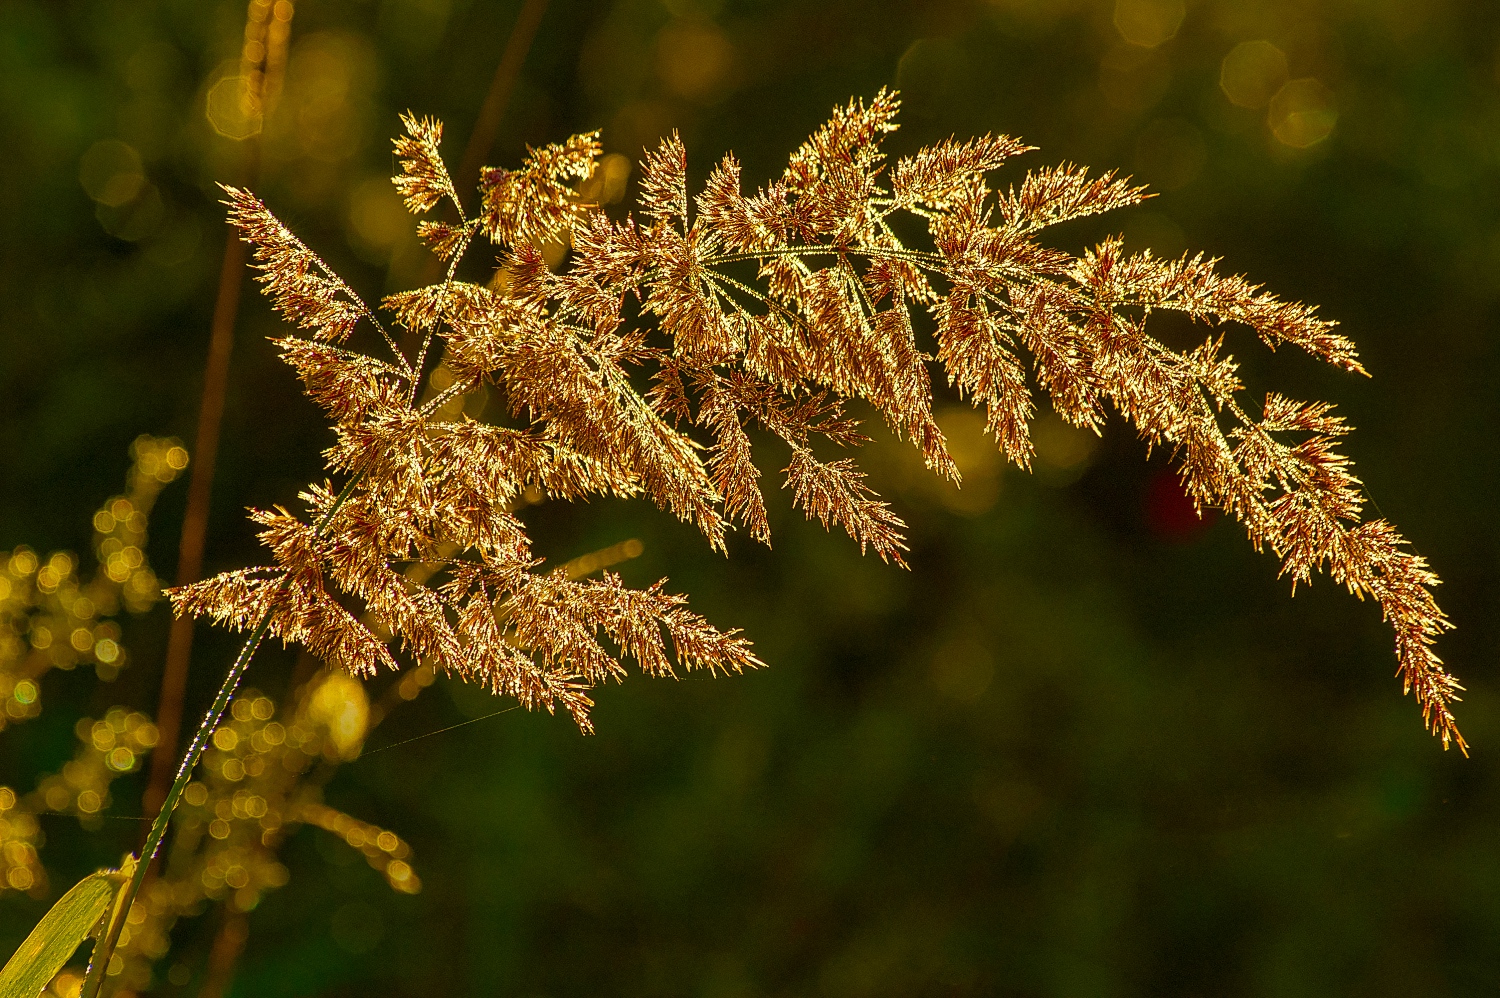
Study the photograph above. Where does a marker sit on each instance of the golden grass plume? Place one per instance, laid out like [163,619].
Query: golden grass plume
[774,309]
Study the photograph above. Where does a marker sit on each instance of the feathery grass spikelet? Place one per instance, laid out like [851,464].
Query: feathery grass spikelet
[771,309]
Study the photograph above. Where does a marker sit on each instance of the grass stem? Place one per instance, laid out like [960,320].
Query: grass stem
[104,949]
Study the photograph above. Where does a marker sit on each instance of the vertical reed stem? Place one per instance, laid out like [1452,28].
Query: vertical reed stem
[225,953]
[487,124]
[268,25]
[195,521]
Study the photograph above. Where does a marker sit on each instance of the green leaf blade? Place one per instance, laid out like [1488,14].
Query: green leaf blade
[74,918]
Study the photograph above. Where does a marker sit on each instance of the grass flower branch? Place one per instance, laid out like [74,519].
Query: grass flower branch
[838,312]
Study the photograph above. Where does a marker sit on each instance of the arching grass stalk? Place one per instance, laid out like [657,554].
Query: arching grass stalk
[104,949]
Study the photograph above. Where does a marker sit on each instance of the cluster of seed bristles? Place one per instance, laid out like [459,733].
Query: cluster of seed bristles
[773,310]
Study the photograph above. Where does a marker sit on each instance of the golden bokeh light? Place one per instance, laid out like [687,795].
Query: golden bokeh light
[978,460]
[376,219]
[607,183]
[1148,23]
[108,748]
[1252,72]
[111,172]
[974,452]
[136,219]
[1064,451]
[328,83]
[232,108]
[694,59]
[414,681]
[250,792]
[639,124]
[339,704]
[1303,113]
[588,564]
[20,835]
[52,617]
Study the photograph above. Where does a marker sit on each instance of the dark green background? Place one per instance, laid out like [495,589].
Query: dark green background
[1178,782]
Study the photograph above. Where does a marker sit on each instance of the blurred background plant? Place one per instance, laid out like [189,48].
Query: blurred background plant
[1087,746]
[257,783]
[50,618]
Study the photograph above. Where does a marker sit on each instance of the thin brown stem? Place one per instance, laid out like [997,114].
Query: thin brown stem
[228,945]
[269,26]
[487,125]
[195,521]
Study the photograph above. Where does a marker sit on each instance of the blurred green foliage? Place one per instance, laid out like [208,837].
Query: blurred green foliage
[1085,747]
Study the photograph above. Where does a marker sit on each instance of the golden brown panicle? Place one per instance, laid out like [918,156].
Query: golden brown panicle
[773,310]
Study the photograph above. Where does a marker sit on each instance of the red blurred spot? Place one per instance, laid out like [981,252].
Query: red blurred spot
[1169,511]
